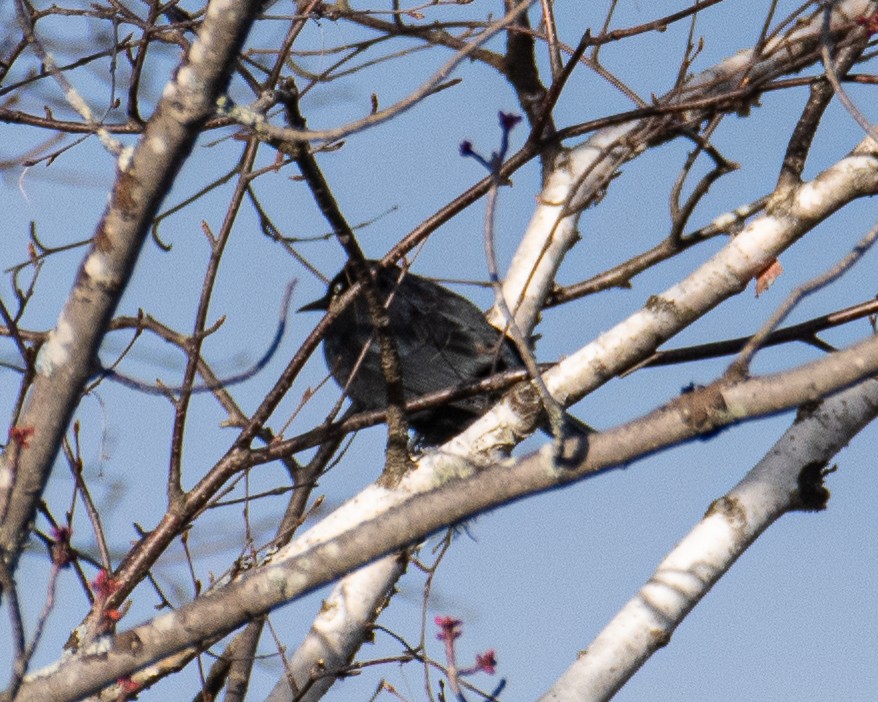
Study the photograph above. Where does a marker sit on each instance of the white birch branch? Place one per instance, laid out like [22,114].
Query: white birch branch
[257,592]
[145,175]
[338,631]
[581,174]
[769,490]
[578,176]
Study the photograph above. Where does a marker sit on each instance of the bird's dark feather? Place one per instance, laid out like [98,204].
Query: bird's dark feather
[443,341]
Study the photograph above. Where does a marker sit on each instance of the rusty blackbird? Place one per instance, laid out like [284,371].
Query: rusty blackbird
[443,341]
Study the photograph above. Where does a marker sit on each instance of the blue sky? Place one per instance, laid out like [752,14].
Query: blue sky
[794,619]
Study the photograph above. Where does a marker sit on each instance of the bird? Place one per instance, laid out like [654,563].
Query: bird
[443,341]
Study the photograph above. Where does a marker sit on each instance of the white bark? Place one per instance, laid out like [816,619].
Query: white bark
[337,631]
[732,523]
[263,589]
[579,175]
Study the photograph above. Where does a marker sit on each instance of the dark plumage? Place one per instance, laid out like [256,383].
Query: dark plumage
[443,341]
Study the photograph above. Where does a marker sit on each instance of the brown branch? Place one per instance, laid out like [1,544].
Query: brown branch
[805,332]
[398,461]
[450,503]
[821,93]
[142,182]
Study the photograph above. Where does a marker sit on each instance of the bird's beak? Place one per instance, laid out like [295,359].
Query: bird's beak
[320,305]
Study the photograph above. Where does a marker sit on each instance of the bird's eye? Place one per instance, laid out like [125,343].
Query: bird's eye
[337,289]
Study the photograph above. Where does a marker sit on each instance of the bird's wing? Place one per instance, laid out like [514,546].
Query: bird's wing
[450,345]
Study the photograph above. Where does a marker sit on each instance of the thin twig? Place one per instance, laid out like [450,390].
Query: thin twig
[740,366]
